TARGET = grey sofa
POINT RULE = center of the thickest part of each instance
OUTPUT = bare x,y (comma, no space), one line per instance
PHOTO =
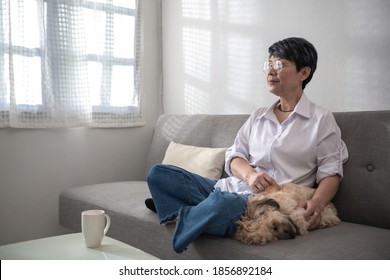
363,200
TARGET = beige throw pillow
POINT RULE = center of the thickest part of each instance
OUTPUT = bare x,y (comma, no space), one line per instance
207,162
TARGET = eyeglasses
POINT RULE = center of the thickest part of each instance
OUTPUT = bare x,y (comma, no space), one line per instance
277,65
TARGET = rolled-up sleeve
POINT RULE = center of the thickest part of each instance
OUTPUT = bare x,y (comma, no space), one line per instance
240,147
332,152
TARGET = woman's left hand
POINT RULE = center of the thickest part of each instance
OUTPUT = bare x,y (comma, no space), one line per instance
312,213
324,193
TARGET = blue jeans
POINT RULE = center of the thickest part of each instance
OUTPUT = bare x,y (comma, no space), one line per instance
197,206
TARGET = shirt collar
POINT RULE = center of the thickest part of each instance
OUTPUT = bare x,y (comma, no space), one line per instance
302,108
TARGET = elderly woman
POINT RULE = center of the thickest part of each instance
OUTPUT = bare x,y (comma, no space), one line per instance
293,140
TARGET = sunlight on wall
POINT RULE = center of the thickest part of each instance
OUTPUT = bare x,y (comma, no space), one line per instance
196,100
197,53
243,69
214,50
197,47
240,13
221,59
198,9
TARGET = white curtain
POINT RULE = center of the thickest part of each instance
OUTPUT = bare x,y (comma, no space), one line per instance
67,63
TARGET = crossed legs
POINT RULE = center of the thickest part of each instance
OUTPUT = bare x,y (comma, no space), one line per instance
196,205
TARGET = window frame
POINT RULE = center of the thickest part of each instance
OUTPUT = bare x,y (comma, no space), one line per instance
107,60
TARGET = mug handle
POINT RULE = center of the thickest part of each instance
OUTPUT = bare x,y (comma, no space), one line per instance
107,224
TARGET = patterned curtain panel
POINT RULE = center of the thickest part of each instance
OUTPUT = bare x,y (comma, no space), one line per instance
67,63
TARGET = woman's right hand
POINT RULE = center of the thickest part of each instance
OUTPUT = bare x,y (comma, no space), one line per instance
258,182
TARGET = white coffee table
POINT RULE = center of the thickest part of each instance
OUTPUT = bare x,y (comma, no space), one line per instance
71,247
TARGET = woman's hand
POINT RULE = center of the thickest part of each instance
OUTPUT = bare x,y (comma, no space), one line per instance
258,182
312,214
322,196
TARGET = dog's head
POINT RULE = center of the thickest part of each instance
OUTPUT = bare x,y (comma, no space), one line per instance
263,222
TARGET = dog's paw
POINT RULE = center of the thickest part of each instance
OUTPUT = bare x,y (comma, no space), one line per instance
329,221
329,217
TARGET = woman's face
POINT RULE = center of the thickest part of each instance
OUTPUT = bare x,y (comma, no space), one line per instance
285,79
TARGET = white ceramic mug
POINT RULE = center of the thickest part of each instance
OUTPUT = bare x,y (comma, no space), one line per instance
94,225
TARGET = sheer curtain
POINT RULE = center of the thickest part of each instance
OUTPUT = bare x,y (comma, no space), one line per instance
67,63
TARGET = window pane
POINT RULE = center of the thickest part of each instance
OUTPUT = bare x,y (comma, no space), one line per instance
123,36
5,81
130,4
98,1
95,26
27,77
94,77
122,86
25,24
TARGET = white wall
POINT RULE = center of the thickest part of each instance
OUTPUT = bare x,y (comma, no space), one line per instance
36,165
213,52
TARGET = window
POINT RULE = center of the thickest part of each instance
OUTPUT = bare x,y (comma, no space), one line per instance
70,63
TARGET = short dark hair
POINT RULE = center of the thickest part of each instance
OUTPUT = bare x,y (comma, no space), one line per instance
298,50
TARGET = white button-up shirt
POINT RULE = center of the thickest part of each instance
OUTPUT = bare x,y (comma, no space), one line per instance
304,149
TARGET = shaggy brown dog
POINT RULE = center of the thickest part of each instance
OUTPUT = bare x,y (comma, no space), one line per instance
275,214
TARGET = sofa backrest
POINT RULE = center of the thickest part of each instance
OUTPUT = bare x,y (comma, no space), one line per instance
364,194
215,131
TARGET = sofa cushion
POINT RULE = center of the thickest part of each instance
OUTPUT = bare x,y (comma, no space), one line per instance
207,162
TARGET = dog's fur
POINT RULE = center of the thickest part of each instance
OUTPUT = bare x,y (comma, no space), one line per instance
277,214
